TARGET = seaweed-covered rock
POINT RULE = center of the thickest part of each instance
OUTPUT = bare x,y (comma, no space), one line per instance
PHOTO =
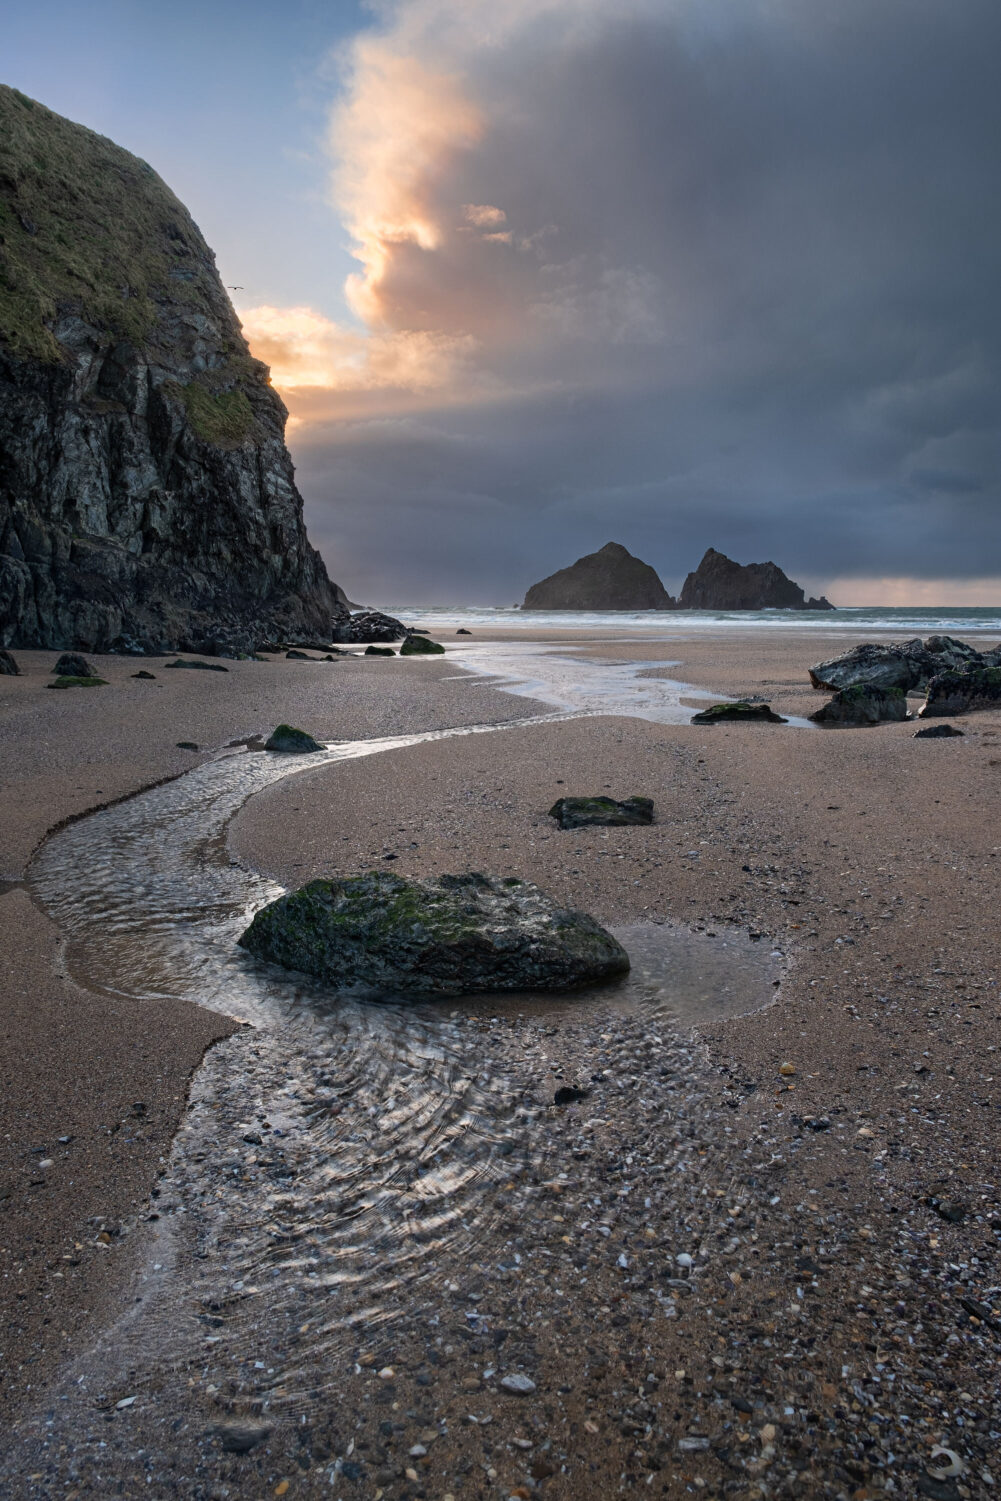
379,651
420,646
448,935
73,681
960,690
862,704
583,812
370,625
740,712
72,665
8,667
197,665
937,732
292,742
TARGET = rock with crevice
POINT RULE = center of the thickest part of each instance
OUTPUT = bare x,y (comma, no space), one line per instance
446,935
147,499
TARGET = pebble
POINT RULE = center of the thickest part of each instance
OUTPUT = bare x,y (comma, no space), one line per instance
519,1385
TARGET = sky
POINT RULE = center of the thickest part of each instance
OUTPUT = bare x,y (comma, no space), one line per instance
533,275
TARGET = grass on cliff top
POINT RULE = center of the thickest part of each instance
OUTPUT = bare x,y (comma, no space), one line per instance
85,225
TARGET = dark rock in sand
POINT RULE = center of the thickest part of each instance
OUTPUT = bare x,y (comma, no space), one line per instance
297,656
78,682
370,625
741,712
611,579
721,584
186,745
569,1094
583,812
72,665
420,646
908,665
379,651
239,1438
8,667
148,498
961,690
148,676
862,705
290,741
937,732
197,665
447,935
463,632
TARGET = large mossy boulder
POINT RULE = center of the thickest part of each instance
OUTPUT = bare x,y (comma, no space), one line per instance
72,665
292,742
586,812
960,690
420,646
740,712
448,935
861,705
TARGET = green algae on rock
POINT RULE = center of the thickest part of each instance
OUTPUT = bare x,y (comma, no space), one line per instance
290,741
862,704
447,935
583,812
738,713
420,646
78,682
960,690
379,651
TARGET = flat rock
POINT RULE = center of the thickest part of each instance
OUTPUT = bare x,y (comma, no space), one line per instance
582,812
447,935
420,646
72,665
518,1385
740,712
863,704
197,664
290,741
78,682
938,732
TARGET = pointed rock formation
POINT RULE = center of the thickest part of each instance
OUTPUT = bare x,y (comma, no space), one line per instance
147,499
721,584
611,579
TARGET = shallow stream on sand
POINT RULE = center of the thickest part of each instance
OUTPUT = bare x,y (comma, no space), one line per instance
335,1152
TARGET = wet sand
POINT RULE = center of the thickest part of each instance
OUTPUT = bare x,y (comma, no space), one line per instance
842,1218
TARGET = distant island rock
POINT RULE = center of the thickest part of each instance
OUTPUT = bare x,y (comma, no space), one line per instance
721,584
147,499
611,579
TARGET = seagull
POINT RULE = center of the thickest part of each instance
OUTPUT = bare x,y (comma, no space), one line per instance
234,289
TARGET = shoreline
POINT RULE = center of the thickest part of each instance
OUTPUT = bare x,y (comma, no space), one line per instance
722,793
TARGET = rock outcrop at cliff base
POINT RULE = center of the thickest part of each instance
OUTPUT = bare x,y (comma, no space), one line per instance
147,499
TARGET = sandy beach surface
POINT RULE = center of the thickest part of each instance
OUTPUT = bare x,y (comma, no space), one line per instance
757,1255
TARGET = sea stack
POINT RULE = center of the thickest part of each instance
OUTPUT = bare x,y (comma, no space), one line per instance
611,579
147,499
721,584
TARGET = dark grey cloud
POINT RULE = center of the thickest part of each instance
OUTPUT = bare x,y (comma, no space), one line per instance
751,300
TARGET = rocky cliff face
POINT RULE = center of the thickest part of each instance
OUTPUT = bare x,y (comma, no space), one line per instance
147,499
721,584
611,579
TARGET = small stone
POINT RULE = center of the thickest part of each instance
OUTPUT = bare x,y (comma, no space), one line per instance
569,1094
239,1438
125,1402
379,651
387,1373
787,1069
417,1451
188,745
518,1384
693,1444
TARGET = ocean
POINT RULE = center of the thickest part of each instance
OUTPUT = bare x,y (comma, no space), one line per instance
945,619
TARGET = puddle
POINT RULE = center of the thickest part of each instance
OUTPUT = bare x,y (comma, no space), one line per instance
334,1152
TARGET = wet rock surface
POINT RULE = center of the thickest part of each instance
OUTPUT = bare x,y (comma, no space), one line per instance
451,935
863,704
584,812
290,741
419,646
741,712
369,625
962,690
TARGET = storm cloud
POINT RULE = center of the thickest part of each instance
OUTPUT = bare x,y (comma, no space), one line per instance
690,273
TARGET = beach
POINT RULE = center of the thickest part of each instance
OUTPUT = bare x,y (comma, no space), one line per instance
757,1254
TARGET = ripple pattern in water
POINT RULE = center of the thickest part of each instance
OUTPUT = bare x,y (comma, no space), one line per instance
336,1154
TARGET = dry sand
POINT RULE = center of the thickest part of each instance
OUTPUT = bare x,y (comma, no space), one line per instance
837,1323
